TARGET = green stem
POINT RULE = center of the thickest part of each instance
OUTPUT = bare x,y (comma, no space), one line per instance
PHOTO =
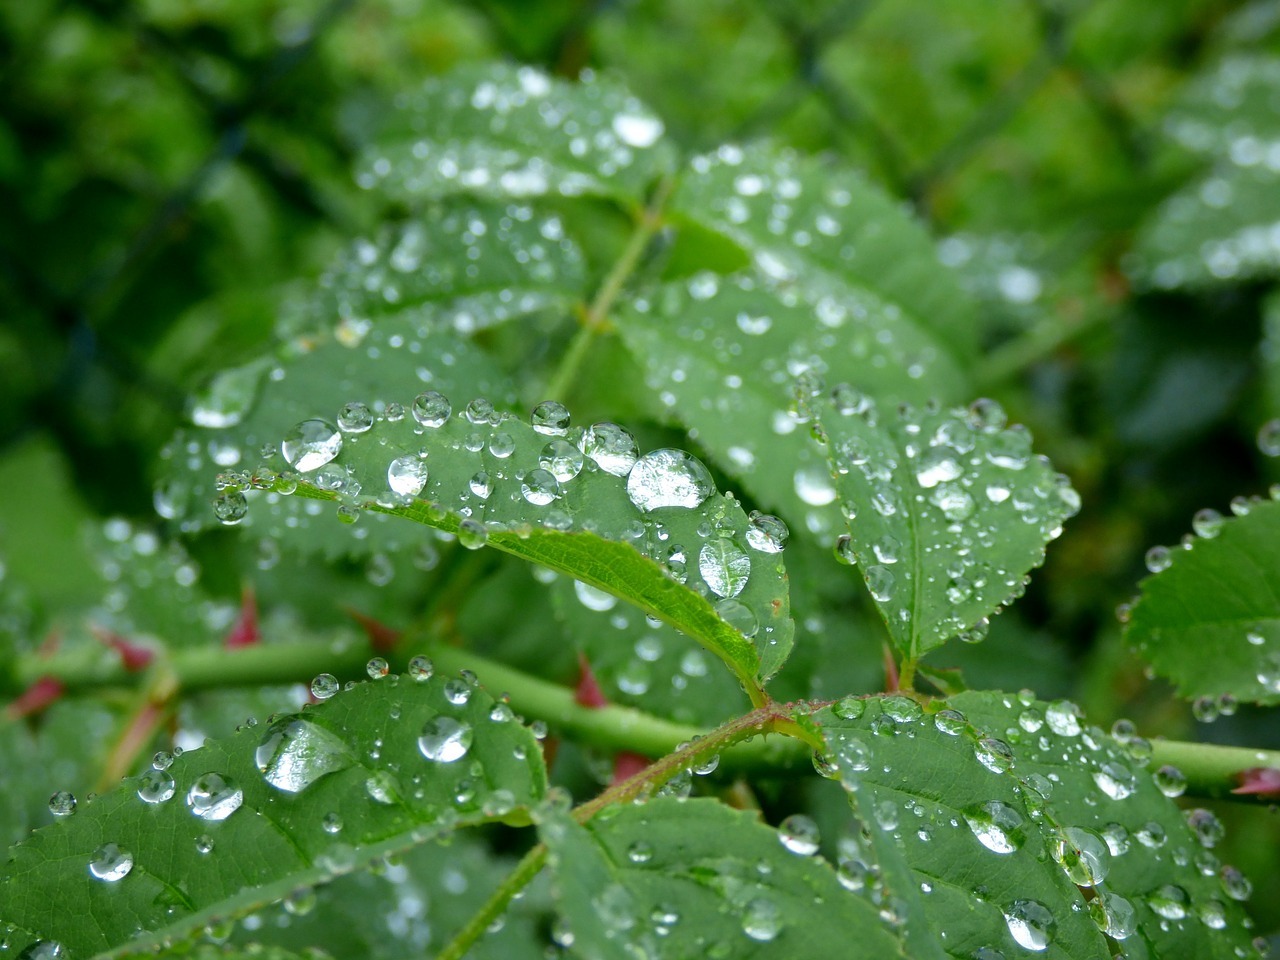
475,928
1212,770
595,320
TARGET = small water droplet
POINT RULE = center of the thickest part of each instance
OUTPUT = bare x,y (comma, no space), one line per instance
1207,523
431,409
669,478
880,582
1169,901
111,862
951,722
1159,559
550,418
62,804
994,754
540,487
997,826
472,534
849,708
561,459
1171,781
421,668
407,476
766,533
1084,856
155,786
295,753
231,507
214,797
724,566
324,686
1115,780
799,834
445,739
355,418
611,447
1269,438
1031,924
1113,914
640,852
813,485
311,444
761,919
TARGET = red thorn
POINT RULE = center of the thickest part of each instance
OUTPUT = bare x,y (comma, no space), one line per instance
245,632
588,693
627,764
133,656
381,637
36,698
1263,780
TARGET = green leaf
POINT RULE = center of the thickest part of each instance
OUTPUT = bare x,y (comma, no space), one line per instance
516,132
802,218
1210,620
1026,829
644,663
661,538
673,878
949,510
723,353
1219,228
285,805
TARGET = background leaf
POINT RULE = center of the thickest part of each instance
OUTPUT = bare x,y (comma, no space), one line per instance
682,878
289,804
1210,620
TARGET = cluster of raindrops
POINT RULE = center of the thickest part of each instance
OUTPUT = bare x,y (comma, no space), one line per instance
962,480
1043,741
601,134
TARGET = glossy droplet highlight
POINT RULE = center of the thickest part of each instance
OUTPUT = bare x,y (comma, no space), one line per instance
1083,855
155,786
324,686
295,753
445,739
761,919
766,533
311,444
214,797
355,418
550,418
62,804
669,478
724,566
407,476
611,448
431,409
111,862
1031,924
997,826
799,834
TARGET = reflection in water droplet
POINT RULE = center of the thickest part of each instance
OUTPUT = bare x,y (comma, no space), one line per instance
550,418
724,566
62,804
295,753
761,919
407,476
669,478
421,668
324,686
540,488
155,786
799,834
431,409
561,459
612,448
766,533
355,418
813,485
111,862
1171,781
1084,856
1113,914
1169,901
311,444
43,950
880,582
1031,924
445,739
901,709
1115,780
996,825
214,797
994,754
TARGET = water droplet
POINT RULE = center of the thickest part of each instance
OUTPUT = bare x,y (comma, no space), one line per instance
1063,718
227,398
845,551
1169,901
996,825
481,411
594,598
739,616
799,834
1113,914
457,690
311,444
669,478
1170,780
377,668
331,823
950,722
761,919
407,476
937,465
550,418
295,753
214,797
62,804
431,409
901,709
849,708
355,418
111,862
1235,883
987,415
1213,914
540,487
724,566
813,485
445,739
421,668
502,445
880,582
1083,855
1115,780
561,459
472,534
300,902
766,533
640,852
204,843
1031,924
1269,438
1206,826
611,447
155,786
1158,559
1207,523
324,686
994,754
231,507
382,787
637,130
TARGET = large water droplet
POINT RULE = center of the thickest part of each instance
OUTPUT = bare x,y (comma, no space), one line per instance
561,459
994,754
1031,924
612,448
311,444
155,786
996,825
1083,855
724,566
766,533
445,739
550,418
540,487
295,753
880,582
1113,914
111,862
431,409
407,476
1169,901
669,478
214,797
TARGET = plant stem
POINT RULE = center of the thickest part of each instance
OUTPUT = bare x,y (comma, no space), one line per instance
1212,770
475,928
594,321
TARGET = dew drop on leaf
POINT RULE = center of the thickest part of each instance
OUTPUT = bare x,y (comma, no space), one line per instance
421,668
813,485
669,478
1031,924
761,919
799,834
43,950
295,753
561,459
230,507
445,739
62,804
724,566
594,598
1171,781
407,476
611,447
1269,438
1207,523
1169,901
324,686
849,708
996,825
766,533
472,534
311,444
214,797
880,582
1113,914
355,418
111,862
1084,856
540,488
994,754
1115,780
431,409
155,786
550,418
